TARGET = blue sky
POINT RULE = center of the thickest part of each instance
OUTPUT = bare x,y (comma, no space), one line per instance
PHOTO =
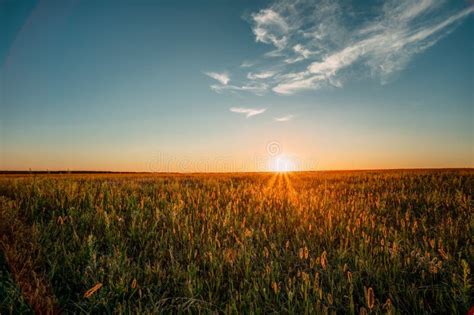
209,85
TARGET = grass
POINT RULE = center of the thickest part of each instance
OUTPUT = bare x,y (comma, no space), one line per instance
11,299
336,242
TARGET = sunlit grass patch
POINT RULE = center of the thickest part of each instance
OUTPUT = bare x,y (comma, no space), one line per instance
346,242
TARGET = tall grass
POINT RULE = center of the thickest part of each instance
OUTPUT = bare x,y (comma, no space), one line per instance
349,243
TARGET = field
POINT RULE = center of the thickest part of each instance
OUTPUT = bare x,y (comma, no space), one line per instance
298,243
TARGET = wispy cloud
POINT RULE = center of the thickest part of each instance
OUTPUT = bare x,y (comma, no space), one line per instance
257,88
223,78
260,75
320,43
384,45
248,112
283,118
270,28
246,64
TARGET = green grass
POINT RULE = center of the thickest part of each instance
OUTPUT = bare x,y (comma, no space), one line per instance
342,242
11,300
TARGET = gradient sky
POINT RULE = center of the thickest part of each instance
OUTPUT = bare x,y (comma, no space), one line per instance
229,85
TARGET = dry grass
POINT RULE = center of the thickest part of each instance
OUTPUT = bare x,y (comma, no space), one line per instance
342,242
20,252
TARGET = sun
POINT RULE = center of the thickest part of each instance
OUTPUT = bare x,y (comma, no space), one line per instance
282,164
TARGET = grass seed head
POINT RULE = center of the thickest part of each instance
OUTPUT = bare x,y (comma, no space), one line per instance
92,290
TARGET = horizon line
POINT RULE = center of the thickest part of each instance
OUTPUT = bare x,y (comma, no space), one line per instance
65,172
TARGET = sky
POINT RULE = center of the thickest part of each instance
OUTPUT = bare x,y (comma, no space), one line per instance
205,86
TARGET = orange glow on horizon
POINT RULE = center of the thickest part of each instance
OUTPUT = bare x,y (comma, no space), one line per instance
282,164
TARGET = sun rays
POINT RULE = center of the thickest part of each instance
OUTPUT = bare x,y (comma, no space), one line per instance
282,183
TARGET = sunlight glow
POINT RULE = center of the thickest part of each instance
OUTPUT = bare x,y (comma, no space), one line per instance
282,164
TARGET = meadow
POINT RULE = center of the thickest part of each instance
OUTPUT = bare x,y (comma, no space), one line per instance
367,242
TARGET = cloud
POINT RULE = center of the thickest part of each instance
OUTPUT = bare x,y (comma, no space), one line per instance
246,64
260,75
257,88
248,112
223,78
317,43
270,28
299,49
291,86
284,118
